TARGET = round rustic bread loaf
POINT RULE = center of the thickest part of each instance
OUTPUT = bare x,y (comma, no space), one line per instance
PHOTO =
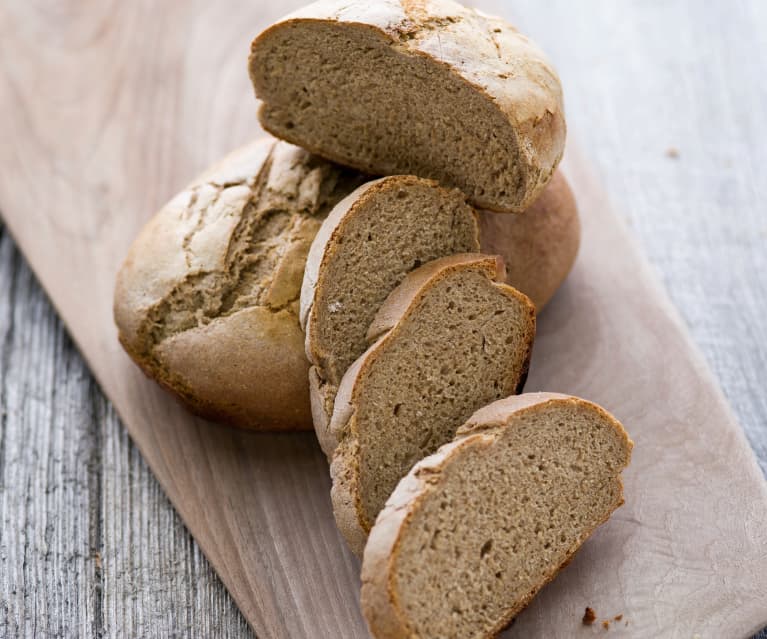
474,531
427,87
207,299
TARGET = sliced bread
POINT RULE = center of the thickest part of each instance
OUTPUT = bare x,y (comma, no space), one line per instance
449,339
207,299
473,532
428,88
364,249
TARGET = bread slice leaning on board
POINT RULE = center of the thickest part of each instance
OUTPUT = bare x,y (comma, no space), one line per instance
474,531
424,87
206,302
450,339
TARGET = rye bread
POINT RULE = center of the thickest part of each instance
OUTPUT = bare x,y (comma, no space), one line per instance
206,302
474,531
422,87
448,340
367,245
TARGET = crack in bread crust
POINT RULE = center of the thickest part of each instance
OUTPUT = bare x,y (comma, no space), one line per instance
206,301
269,223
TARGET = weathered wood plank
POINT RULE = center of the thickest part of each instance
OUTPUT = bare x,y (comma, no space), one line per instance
646,78
89,544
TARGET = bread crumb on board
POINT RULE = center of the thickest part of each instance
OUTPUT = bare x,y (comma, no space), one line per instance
672,152
589,616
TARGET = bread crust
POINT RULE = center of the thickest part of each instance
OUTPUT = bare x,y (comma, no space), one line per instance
345,493
484,52
383,612
245,366
539,247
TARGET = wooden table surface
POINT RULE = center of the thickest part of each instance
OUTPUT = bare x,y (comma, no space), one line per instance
667,99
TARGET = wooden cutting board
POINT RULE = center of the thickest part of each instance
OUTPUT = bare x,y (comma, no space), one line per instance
108,108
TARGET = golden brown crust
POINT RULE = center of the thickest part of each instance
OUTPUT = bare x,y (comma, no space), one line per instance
412,287
224,339
383,612
321,396
538,247
483,51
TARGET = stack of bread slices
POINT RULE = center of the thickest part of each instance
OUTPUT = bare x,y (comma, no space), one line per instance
374,272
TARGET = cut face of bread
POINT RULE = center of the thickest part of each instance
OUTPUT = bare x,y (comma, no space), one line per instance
472,533
451,339
425,88
207,299
364,249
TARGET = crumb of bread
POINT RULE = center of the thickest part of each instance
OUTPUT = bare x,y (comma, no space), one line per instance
606,624
589,616
618,618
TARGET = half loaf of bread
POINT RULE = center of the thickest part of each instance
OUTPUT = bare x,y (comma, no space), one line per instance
425,87
450,339
207,299
473,532
367,245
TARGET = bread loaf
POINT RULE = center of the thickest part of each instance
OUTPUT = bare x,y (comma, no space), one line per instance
449,340
539,247
207,300
474,531
365,247
423,87
245,364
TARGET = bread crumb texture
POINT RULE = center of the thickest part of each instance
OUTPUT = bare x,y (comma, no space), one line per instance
477,529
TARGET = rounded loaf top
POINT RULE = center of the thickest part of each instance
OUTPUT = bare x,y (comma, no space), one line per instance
428,88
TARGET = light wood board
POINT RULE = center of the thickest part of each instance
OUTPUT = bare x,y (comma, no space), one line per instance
95,140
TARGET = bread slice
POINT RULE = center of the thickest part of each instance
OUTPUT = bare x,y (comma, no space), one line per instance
473,532
428,88
364,249
538,247
206,301
450,339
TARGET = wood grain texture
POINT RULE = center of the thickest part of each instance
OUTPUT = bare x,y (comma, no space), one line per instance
152,580
89,544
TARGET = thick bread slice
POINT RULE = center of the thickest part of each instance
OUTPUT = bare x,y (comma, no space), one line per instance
450,339
474,531
539,247
206,302
363,250
423,87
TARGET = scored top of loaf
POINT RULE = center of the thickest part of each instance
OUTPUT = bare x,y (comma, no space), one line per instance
206,301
